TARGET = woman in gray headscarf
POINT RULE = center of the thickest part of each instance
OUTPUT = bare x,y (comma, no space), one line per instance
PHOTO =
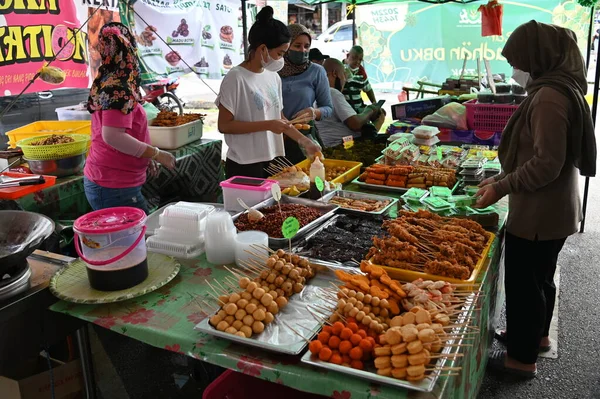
546,144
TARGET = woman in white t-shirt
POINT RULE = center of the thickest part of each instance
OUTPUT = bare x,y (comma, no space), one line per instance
250,103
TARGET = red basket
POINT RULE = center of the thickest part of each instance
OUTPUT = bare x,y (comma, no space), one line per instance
234,385
488,117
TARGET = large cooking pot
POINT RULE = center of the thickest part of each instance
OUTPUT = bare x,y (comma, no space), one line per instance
21,233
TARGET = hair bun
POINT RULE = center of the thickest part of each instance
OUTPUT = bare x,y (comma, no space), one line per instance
265,14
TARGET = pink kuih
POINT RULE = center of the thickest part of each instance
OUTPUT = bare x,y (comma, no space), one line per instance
111,243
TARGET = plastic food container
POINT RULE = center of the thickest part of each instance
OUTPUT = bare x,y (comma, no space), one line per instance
170,138
73,113
485,97
427,142
244,188
220,238
503,98
425,132
503,88
519,98
250,241
518,89
111,243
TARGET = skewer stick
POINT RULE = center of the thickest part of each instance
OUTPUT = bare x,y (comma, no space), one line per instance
442,356
339,290
294,331
263,247
246,266
317,318
235,274
459,345
217,282
213,288
219,302
257,254
287,161
444,369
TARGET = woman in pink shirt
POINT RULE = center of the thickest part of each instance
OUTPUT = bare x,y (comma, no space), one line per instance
121,153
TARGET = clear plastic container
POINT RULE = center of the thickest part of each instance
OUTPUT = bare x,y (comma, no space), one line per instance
428,142
73,113
237,187
425,132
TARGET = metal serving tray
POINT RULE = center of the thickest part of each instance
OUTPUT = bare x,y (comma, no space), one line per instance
379,187
325,209
360,196
426,385
277,336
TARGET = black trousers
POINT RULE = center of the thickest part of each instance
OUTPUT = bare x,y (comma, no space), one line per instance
250,170
530,294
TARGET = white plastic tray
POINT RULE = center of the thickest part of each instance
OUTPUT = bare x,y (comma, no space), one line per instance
170,138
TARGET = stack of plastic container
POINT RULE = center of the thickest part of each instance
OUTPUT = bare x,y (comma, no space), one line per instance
181,231
425,135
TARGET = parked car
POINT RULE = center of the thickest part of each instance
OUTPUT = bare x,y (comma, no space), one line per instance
35,107
336,41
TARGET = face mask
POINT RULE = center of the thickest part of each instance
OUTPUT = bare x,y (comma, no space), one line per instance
338,84
522,78
271,64
297,57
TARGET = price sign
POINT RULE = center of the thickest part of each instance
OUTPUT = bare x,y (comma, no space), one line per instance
276,192
440,155
319,183
348,142
290,227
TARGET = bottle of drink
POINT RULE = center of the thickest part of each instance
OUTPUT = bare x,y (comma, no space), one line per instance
316,169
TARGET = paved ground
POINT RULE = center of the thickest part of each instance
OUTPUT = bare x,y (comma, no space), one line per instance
141,372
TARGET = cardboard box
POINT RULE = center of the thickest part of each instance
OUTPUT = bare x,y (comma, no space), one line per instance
418,108
68,382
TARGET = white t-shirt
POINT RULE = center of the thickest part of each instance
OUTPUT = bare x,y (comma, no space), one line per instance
333,129
252,97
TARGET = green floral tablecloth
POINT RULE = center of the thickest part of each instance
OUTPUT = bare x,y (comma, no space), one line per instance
197,175
166,319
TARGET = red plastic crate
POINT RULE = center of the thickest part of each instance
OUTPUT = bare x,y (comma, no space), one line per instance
488,117
14,193
234,385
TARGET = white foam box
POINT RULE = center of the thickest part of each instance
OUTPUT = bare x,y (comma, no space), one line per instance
170,138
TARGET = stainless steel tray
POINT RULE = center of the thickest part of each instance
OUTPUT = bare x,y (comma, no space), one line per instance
277,336
378,187
325,209
360,196
425,385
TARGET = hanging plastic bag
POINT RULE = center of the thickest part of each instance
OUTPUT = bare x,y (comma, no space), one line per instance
52,75
491,18
450,116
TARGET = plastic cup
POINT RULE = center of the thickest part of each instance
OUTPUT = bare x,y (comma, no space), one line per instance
248,241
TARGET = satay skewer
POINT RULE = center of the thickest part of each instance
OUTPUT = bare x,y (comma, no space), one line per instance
294,331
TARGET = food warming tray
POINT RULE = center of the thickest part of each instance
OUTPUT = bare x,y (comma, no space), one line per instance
325,209
360,196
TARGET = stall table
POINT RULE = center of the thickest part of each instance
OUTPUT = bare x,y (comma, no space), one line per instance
166,319
197,175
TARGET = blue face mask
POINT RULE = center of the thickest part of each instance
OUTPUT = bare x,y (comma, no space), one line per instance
297,57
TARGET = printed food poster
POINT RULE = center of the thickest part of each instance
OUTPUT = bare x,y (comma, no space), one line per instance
414,41
33,33
207,35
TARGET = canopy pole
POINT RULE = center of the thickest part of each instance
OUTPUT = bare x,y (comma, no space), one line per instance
590,39
353,22
244,29
594,112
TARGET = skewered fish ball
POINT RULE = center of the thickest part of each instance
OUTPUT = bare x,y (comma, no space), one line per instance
281,302
240,334
222,314
251,287
229,319
273,308
248,320
414,347
384,304
230,330
237,324
215,320
353,301
258,293
259,315
278,265
280,253
287,287
359,305
360,315
223,299
258,327
353,312
247,330
360,296
415,371
279,281
271,262
244,281
368,298
269,317
427,335
242,303
295,259
230,309
298,288
352,294
240,314
294,274
341,303
366,309
400,361
366,320
271,278
223,325
375,301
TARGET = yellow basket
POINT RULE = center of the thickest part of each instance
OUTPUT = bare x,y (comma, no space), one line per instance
44,128
352,172
410,275
54,151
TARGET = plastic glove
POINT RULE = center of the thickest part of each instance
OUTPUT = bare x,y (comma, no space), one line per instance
310,148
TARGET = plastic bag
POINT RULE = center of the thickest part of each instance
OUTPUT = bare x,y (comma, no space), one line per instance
151,111
491,18
52,75
450,116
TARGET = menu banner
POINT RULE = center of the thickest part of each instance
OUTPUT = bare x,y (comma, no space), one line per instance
206,34
33,33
